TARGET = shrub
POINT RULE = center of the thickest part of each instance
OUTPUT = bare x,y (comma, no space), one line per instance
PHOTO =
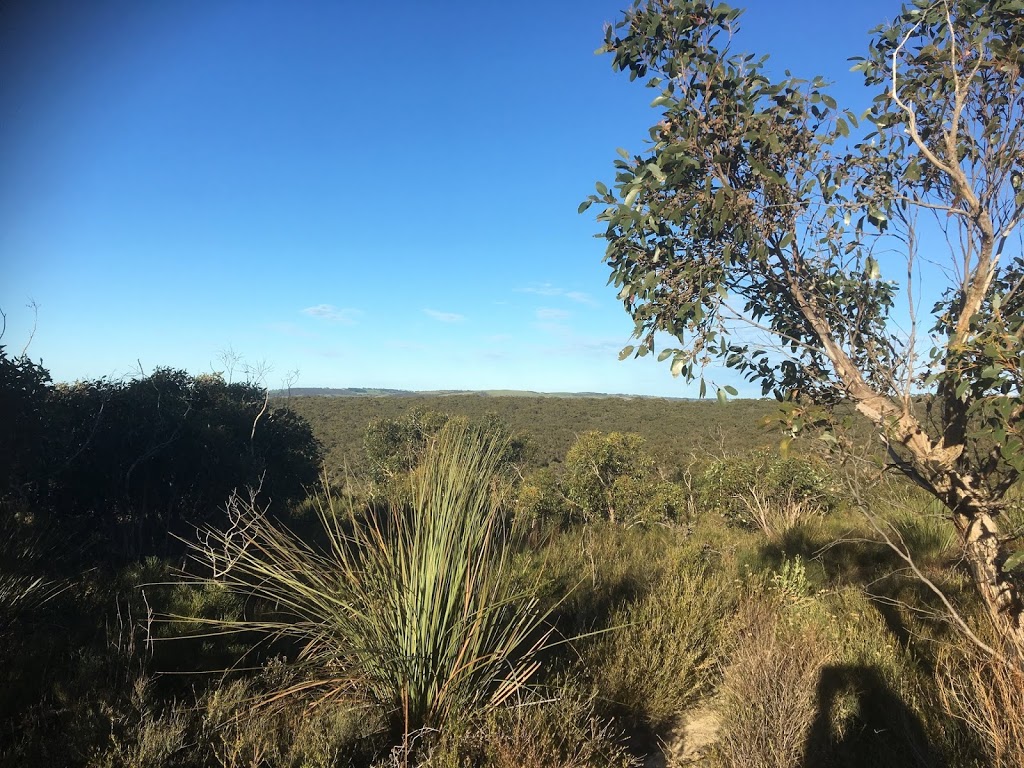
988,696
396,446
133,465
639,500
659,656
539,501
140,737
767,491
557,731
25,584
670,502
593,466
241,729
767,696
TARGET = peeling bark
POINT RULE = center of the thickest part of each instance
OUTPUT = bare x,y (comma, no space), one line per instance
980,537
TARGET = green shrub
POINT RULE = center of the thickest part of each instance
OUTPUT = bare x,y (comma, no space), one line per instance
782,490
556,727
396,446
240,728
539,501
660,654
669,502
595,464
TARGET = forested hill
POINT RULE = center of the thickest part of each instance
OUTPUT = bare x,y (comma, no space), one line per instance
674,429
375,392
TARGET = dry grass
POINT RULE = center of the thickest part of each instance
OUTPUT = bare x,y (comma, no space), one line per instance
988,696
777,514
767,697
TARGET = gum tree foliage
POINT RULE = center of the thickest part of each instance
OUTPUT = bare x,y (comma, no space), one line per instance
596,464
878,257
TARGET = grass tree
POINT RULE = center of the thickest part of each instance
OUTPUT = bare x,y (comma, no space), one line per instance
415,607
878,258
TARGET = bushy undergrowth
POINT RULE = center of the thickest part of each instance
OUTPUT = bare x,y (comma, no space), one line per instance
767,491
987,695
818,680
660,655
405,628
767,698
558,726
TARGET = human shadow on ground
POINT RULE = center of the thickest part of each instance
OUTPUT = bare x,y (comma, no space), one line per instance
881,730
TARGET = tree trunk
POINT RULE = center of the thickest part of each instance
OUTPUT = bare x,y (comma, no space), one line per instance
979,535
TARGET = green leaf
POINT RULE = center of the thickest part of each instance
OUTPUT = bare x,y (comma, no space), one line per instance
720,393
731,390
622,153
1014,561
584,205
991,371
626,352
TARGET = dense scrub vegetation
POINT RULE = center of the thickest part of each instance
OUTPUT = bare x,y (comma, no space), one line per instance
673,429
667,593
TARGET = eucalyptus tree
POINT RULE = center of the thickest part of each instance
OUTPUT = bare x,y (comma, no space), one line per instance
872,260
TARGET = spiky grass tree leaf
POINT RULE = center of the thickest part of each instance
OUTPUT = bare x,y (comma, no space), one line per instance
416,605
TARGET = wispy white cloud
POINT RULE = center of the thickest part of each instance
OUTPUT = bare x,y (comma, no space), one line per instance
344,315
547,289
406,345
543,289
566,341
581,298
444,317
547,313
558,330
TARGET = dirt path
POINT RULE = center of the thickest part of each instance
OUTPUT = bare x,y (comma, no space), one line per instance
695,732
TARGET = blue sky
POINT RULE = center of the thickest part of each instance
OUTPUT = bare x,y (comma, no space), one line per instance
378,195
